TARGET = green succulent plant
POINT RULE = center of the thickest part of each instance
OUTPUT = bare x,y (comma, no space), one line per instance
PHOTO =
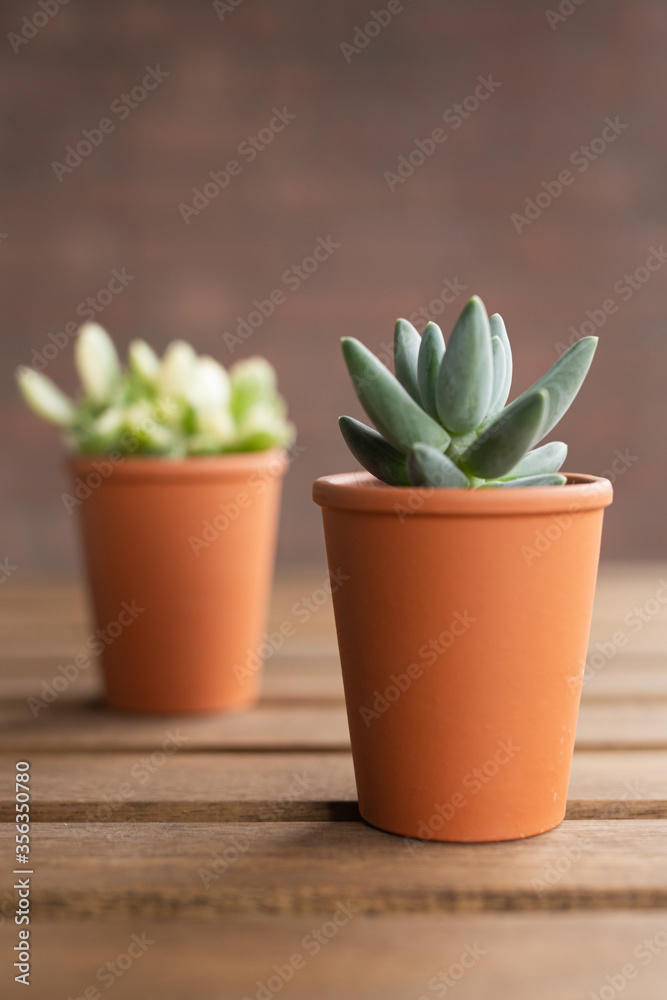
176,406
442,419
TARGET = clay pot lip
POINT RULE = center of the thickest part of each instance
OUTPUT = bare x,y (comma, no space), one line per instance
361,491
194,468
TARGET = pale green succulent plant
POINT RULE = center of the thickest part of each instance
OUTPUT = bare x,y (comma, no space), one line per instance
179,405
442,420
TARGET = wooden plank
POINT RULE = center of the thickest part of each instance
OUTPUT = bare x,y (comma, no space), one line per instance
193,787
72,725
295,677
79,726
50,618
279,787
199,869
286,678
517,956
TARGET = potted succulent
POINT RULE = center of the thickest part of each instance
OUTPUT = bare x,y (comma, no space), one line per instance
470,563
176,469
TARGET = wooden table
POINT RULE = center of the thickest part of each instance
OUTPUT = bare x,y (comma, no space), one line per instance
223,857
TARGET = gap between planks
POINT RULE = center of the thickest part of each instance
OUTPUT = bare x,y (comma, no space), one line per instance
205,870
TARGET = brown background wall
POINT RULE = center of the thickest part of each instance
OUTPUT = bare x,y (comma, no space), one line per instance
323,176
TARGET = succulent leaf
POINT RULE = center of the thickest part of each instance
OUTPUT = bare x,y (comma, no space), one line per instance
45,398
173,408
465,381
209,386
563,382
97,362
546,479
391,408
429,467
177,369
144,362
375,454
506,440
252,380
497,326
406,355
431,353
499,366
548,458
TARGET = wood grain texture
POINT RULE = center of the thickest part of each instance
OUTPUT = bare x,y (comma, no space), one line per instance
279,787
536,956
203,870
69,724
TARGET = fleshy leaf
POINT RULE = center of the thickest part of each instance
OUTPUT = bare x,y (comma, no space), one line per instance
499,366
428,467
209,386
506,440
253,380
497,326
406,353
465,381
97,362
144,362
177,369
375,454
563,382
546,479
391,408
548,458
431,353
45,398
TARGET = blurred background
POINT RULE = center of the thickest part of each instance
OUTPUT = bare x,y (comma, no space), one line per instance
329,111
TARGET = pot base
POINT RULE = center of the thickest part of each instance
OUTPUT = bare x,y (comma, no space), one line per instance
442,838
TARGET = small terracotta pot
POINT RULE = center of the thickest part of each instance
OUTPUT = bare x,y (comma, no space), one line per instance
180,560
463,623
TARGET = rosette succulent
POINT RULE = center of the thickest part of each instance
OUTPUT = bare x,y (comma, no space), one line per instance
442,419
180,405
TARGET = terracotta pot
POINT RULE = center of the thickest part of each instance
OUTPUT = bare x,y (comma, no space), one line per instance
463,625
180,559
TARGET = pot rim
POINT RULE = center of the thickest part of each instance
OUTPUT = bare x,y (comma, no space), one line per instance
134,468
361,491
